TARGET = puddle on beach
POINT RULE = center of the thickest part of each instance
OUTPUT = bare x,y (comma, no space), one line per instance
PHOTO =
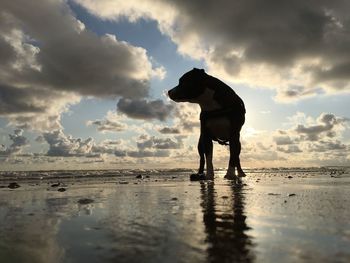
272,220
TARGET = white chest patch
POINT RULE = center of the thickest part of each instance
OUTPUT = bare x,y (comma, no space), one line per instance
219,127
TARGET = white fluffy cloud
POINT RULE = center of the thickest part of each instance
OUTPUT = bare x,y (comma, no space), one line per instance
111,123
18,143
308,141
66,146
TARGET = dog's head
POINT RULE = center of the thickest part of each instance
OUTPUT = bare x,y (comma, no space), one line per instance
191,85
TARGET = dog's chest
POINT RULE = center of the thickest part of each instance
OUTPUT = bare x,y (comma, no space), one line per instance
219,127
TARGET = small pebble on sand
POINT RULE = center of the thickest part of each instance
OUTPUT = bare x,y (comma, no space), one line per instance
13,185
85,201
61,189
292,195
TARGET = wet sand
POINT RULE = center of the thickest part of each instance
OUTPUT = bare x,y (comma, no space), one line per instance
265,217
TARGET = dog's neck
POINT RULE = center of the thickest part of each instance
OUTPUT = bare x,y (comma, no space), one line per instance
206,101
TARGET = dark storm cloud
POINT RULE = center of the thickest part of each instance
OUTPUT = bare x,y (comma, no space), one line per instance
48,59
75,59
268,31
300,48
23,100
145,109
278,33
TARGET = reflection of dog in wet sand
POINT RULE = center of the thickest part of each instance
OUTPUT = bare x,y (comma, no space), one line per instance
222,117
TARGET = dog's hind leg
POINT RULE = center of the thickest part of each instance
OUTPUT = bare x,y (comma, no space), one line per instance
209,157
201,155
235,150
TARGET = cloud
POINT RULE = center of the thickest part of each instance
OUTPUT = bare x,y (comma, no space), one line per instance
315,138
148,153
34,108
299,48
326,146
67,146
282,140
306,141
18,143
326,124
145,109
48,65
111,123
159,143
62,145
289,149
169,130
108,147
187,118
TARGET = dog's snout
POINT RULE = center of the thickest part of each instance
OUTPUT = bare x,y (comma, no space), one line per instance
171,93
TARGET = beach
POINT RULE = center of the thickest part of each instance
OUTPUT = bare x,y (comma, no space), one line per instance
276,215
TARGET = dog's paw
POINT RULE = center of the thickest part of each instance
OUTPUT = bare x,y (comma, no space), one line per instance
241,174
230,176
210,176
197,177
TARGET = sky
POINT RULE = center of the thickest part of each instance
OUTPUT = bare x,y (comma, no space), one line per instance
83,82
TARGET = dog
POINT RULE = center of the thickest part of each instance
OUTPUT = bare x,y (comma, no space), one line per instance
221,119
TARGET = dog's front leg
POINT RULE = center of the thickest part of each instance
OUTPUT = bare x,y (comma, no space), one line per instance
208,150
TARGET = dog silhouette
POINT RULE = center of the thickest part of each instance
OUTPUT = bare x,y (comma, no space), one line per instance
221,119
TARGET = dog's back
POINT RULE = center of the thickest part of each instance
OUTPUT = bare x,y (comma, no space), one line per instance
226,96
232,106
